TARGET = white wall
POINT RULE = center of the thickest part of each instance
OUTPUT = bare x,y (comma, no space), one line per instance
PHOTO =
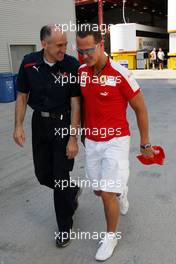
21,21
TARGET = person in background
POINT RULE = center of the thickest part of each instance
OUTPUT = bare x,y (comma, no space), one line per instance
153,58
160,56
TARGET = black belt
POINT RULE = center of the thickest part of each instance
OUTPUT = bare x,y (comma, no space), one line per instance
55,115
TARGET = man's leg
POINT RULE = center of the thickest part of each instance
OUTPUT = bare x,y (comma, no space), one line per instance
65,202
112,215
115,173
42,151
111,209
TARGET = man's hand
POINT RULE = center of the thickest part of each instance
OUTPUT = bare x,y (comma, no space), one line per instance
19,136
83,139
148,153
20,110
72,148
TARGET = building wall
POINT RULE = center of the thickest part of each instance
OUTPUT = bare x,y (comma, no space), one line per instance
21,20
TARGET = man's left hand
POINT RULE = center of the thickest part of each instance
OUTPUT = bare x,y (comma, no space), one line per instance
148,153
72,147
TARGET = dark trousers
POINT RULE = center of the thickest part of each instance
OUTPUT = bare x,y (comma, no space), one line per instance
52,165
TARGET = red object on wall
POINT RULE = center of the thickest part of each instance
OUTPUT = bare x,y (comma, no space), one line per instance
100,18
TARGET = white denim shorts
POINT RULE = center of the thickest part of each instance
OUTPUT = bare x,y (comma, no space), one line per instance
107,164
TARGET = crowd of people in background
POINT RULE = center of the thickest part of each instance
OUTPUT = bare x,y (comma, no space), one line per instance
157,59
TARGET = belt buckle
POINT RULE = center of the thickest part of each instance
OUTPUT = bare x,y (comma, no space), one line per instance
57,116
45,114
53,115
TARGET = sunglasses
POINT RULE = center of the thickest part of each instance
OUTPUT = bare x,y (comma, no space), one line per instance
87,51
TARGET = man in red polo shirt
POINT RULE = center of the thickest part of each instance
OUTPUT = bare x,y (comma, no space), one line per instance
107,88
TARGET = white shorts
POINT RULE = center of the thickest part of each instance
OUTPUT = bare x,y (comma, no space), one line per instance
107,163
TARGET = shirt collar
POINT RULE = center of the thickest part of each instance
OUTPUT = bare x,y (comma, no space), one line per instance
40,57
41,61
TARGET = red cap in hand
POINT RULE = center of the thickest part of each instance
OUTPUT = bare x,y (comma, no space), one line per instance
158,158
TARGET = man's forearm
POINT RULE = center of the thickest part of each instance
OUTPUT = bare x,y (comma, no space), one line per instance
20,109
143,125
75,116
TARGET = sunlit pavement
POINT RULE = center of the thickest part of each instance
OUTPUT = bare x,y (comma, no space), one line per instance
155,74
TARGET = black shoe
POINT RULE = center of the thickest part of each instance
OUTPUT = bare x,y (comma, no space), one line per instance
63,239
78,193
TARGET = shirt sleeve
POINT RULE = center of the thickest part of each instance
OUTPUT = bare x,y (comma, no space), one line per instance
22,80
75,87
75,91
129,86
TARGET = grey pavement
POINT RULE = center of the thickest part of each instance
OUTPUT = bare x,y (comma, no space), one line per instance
27,220
155,74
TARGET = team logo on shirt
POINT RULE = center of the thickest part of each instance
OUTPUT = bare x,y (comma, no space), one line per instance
104,93
83,79
36,68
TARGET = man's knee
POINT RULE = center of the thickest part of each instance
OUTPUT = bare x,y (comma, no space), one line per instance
108,195
98,193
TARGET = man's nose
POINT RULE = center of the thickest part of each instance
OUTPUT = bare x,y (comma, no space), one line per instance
85,56
63,48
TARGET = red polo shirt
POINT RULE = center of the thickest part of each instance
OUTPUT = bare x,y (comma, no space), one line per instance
105,100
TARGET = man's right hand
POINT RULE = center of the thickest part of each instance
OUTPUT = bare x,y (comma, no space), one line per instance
19,136
83,139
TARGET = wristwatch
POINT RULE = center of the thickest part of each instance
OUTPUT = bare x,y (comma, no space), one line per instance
146,146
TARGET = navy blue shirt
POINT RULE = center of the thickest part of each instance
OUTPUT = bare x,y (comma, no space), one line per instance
49,87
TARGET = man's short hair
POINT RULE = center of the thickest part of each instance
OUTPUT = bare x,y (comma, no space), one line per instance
90,30
45,32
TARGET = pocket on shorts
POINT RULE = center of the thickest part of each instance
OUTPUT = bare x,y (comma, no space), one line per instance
123,165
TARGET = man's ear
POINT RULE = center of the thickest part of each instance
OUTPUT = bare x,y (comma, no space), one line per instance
44,44
102,44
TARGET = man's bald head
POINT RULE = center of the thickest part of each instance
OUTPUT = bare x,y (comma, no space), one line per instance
47,31
54,42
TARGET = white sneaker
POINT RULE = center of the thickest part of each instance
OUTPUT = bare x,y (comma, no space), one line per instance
107,246
124,204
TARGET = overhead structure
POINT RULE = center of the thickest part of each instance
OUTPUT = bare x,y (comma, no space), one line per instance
87,9
159,13
172,33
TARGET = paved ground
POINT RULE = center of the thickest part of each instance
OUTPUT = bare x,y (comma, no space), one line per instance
27,221
155,74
